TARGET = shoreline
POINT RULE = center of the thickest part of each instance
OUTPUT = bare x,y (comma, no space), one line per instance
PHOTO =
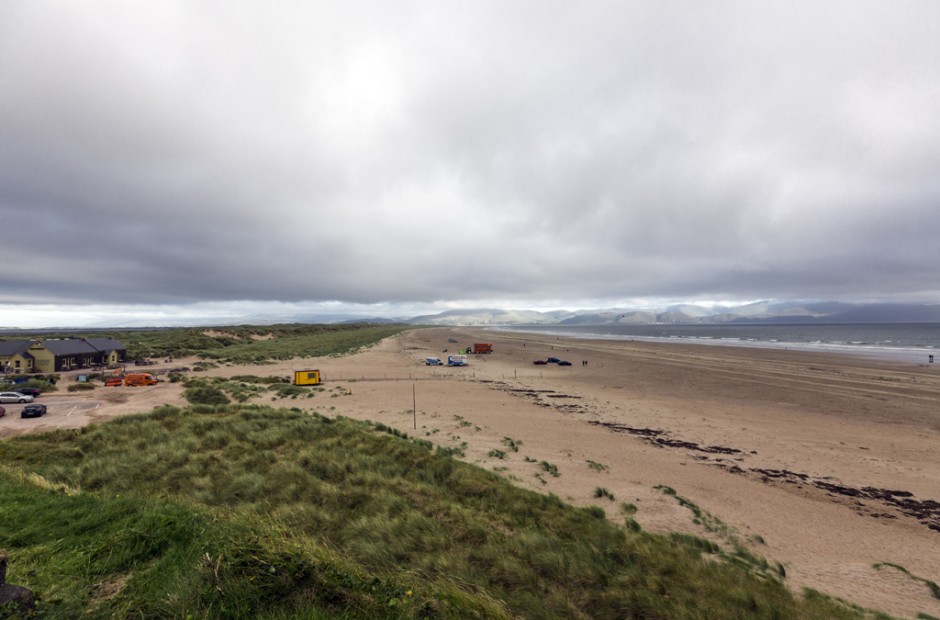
910,354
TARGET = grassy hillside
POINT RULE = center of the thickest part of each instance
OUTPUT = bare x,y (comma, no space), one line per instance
243,511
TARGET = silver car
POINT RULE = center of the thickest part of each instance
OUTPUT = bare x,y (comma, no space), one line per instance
15,397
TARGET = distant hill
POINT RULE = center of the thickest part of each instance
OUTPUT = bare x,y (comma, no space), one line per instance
490,317
758,312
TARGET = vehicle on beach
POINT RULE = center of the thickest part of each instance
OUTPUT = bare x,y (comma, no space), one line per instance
457,360
540,362
15,397
139,378
29,391
113,381
482,347
451,340
564,363
33,411
433,361
553,360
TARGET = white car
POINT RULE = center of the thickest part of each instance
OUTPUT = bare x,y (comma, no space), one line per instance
15,397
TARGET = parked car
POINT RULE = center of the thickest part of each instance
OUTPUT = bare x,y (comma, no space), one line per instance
33,411
433,361
15,397
553,360
540,362
564,363
114,381
29,391
3,412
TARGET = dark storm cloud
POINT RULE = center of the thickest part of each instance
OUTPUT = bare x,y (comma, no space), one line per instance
173,153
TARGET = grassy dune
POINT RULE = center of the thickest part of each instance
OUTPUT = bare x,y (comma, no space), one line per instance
248,511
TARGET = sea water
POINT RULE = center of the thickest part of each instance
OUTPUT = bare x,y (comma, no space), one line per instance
914,342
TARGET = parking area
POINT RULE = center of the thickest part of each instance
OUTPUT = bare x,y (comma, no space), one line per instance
77,409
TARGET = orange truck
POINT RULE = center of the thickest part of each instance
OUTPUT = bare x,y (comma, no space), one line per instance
139,378
482,347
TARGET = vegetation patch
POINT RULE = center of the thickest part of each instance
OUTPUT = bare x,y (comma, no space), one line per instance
739,553
244,344
201,392
550,468
603,492
931,585
248,511
46,384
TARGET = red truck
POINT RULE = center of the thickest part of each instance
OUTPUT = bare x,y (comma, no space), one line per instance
482,347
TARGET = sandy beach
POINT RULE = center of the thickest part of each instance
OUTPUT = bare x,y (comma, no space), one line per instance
827,464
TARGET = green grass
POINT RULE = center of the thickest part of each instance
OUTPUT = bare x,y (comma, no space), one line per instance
80,387
87,555
247,511
241,344
549,468
600,492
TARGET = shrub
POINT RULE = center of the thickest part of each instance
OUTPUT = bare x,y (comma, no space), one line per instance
201,394
603,492
596,511
81,387
287,390
550,468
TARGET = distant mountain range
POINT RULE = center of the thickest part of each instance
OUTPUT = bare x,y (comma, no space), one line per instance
759,312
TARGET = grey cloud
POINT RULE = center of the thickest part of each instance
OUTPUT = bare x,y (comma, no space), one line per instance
177,153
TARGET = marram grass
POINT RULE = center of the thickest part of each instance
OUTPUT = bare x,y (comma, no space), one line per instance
246,511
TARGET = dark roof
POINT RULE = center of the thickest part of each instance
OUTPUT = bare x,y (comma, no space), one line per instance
12,347
69,346
105,344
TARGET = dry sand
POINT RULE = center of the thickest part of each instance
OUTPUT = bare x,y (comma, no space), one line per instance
827,464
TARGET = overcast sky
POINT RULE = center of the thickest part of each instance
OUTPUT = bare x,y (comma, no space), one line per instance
174,159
